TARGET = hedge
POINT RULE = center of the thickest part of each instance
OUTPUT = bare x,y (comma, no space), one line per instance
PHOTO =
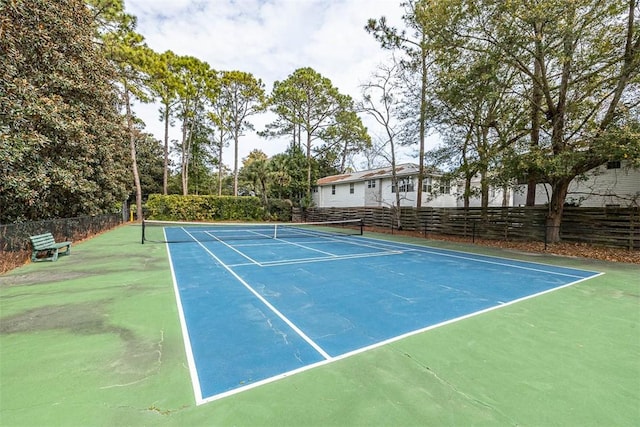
203,208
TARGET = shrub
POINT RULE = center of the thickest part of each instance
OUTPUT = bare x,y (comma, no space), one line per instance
203,208
279,210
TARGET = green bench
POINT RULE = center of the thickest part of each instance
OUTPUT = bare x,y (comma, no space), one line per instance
45,244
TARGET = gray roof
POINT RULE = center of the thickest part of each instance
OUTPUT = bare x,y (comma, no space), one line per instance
405,169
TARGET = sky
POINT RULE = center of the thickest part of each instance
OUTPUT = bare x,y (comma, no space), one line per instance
270,39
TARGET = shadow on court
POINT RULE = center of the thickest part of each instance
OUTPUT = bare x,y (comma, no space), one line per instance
95,339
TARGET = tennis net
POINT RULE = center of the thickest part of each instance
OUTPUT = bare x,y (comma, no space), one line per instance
175,232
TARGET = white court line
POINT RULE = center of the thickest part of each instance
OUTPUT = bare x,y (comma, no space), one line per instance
229,246
386,342
318,259
323,239
472,257
191,362
328,359
267,303
350,240
306,247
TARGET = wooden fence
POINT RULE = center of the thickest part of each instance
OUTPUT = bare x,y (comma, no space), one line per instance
613,227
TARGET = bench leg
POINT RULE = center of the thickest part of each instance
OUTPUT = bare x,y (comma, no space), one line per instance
52,255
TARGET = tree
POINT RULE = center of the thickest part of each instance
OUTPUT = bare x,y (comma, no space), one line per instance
129,54
127,51
163,84
196,82
288,172
477,114
220,117
347,137
202,157
255,169
380,100
150,162
241,95
583,58
305,102
416,48
280,177
62,150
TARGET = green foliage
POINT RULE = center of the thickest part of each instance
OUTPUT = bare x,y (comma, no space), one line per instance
307,106
63,150
305,100
241,95
196,84
149,156
543,90
279,210
204,208
289,174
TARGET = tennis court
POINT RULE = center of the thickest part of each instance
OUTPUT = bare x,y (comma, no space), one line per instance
259,303
96,339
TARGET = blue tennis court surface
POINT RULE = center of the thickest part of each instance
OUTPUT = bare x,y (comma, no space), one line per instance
257,310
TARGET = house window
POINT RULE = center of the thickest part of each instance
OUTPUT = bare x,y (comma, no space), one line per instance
427,185
371,183
315,189
613,165
351,188
405,185
445,186
333,189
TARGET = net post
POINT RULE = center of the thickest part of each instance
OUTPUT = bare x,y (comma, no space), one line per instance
142,239
361,226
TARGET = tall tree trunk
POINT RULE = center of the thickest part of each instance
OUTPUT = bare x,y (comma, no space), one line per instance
165,173
134,158
484,195
559,191
184,167
220,146
235,161
536,106
394,184
505,196
308,164
467,190
423,117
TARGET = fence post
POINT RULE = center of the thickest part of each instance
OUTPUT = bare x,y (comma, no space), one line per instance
473,231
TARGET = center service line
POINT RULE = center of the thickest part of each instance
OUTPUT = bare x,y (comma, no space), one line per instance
267,303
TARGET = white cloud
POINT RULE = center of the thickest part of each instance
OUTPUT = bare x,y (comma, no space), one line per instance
268,38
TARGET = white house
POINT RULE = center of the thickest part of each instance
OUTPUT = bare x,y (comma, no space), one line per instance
613,184
373,188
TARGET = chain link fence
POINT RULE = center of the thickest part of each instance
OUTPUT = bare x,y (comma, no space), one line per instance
15,246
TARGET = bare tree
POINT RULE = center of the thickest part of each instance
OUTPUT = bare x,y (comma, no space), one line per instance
380,101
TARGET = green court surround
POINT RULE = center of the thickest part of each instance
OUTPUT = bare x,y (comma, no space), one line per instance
94,339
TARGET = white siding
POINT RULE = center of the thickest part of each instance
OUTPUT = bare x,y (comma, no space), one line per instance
381,195
373,193
600,188
495,198
342,197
